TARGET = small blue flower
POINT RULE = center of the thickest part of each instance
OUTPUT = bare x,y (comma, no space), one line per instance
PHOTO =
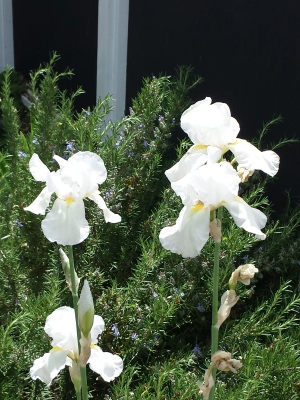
160,118
197,350
109,193
70,146
145,144
115,330
200,308
21,154
154,293
245,258
134,335
18,223
35,141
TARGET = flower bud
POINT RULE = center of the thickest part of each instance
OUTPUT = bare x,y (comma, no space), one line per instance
85,310
66,268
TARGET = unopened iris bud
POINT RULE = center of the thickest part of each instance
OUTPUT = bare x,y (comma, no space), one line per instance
66,268
85,310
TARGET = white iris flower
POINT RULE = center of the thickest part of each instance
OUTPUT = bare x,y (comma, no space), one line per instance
77,178
212,126
61,326
202,191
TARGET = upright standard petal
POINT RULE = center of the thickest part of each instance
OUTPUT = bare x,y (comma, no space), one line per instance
246,217
66,223
190,233
210,124
107,365
91,163
61,327
47,367
250,158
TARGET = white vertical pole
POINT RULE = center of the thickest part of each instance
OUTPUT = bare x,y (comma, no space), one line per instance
6,35
112,53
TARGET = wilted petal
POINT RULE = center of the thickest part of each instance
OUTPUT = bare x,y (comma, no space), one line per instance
228,300
66,223
109,216
39,205
243,274
107,365
249,157
190,232
48,366
246,217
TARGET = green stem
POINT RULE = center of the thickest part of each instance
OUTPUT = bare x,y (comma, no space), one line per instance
84,388
78,395
215,304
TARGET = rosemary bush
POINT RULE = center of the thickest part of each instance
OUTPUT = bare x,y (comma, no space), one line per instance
156,304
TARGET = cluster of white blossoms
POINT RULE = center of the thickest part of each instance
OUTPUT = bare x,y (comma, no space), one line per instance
204,181
76,179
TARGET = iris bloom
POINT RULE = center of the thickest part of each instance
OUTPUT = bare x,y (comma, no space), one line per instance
203,191
77,178
212,126
61,326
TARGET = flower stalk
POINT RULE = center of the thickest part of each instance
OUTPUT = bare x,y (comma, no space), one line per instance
84,389
215,302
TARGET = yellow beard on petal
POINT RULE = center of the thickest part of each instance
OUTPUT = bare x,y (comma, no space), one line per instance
197,206
69,200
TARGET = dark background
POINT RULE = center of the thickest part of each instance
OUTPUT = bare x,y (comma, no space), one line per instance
248,53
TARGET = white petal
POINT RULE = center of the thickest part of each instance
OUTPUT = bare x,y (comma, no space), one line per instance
109,216
66,223
212,184
91,163
39,205
210,124
192,160
249,157
61,327
61,161
97,328
107,365
48,366
38,169
246,217
190,233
